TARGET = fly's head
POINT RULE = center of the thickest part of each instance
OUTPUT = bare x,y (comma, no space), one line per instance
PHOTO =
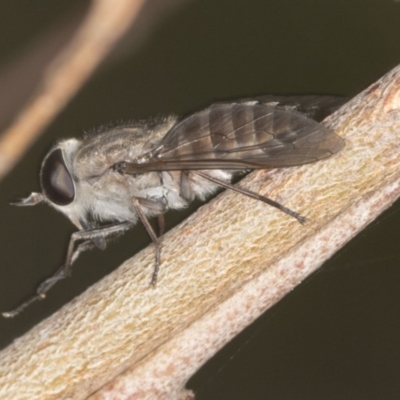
58,183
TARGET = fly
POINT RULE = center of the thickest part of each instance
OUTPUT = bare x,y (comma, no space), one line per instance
109,180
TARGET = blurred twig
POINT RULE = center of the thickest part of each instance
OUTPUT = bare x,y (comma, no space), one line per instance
106,23
20,75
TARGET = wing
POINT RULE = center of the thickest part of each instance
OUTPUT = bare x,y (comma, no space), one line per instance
316,107
238,136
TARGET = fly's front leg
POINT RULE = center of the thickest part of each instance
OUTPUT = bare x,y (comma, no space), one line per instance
64,271
155,205
48,283
89,236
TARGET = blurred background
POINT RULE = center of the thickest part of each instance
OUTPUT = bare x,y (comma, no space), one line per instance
337,335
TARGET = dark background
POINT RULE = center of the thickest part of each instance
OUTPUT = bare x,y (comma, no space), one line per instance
337,335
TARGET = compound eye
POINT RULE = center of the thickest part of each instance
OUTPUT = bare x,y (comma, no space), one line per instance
57,183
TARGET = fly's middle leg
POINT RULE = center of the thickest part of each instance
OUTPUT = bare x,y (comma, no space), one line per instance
138,203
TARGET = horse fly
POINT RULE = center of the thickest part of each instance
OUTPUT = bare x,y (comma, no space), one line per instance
110,179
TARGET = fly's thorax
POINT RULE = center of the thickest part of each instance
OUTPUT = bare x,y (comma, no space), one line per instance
100,151
107,197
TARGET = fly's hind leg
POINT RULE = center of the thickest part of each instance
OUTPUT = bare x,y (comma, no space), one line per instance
253,195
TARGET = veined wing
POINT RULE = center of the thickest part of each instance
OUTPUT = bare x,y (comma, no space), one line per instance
316,107
241,135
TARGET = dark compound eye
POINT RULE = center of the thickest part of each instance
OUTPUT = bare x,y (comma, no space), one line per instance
57,183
